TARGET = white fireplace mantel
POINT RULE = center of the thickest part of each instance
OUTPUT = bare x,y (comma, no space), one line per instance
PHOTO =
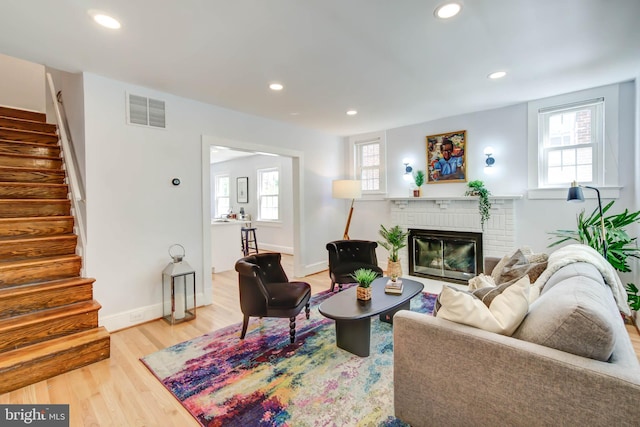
444,201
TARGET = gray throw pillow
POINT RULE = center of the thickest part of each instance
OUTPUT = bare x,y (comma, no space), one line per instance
518,266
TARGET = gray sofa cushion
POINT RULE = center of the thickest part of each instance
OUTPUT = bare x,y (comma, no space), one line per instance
577,315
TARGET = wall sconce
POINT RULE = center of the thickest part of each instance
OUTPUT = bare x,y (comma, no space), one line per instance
490,160
407,170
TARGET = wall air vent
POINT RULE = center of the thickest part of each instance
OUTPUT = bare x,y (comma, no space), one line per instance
145,111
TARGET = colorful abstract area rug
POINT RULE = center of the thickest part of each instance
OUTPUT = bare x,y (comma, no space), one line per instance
264,380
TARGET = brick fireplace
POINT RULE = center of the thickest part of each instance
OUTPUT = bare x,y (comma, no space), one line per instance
458,214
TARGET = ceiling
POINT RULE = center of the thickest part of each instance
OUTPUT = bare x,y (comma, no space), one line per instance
391,60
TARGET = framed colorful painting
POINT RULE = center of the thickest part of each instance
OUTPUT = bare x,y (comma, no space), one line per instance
446,157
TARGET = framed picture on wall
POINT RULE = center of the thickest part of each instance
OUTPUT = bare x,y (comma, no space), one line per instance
242,189
446,157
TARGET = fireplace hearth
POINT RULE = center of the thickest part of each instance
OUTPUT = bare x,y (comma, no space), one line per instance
452,256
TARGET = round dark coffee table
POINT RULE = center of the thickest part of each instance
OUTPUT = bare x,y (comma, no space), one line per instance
353,317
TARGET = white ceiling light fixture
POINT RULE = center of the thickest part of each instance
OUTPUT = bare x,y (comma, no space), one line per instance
497,75
276,86
447,10
352,113
105,20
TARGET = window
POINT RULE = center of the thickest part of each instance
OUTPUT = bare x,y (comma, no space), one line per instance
570,143
574,136
369,162
268,194
222,195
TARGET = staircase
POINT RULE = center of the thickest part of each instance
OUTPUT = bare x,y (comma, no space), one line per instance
48,317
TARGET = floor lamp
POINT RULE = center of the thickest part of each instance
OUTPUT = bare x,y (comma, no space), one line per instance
575,195
347,189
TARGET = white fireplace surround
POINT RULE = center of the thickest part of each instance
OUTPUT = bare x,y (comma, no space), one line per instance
458,214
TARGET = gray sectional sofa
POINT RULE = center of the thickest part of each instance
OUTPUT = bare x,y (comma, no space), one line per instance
570,362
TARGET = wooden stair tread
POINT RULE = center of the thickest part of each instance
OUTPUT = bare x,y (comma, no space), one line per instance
32,184
28,169
30,156
11,228
35,247
31,288
35,351
12,323
35,239
27,143
33,190
18,123
34,201
34,116
39,260
29,132
34,218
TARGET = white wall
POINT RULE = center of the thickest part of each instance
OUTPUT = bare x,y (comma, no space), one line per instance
135,213
504,129
275,236
22,84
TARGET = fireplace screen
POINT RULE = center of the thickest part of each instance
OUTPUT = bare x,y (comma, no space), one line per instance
447,255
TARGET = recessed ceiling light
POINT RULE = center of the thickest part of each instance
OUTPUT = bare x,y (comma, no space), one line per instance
276,86
105,20
352,113
447,10
497,75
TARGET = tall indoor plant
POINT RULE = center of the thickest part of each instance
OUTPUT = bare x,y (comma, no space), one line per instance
394,240
477,188
620,246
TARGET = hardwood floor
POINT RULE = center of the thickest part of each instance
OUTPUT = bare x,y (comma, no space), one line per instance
121,391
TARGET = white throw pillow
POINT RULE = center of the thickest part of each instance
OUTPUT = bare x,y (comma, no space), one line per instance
480,281
503,316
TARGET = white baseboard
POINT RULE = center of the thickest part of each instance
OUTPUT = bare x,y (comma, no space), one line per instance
276,248
315,268
126,319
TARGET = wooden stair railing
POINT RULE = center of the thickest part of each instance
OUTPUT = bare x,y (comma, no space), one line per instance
48,317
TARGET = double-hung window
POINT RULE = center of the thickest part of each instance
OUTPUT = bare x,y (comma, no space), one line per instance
268,194
570,141
574,137
222,195
369,162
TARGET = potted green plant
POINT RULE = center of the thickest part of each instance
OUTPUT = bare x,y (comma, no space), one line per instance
620,246
477,188
394,240
364,277
418,179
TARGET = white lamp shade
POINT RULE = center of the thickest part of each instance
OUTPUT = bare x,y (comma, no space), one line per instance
346,189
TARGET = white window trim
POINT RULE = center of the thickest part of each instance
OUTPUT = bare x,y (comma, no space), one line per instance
258,181
380,137
609,187
215,183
